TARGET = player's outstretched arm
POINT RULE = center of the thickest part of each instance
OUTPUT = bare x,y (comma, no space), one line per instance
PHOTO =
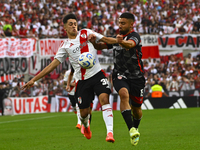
126,44
44,72
108,40
101,44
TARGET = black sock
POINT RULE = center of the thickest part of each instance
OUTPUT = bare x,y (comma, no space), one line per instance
90,118
128,118
136,122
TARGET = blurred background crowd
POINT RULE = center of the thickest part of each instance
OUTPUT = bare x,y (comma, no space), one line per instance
43,19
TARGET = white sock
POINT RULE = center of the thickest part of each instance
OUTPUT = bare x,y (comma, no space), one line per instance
78,114
108,117
85,121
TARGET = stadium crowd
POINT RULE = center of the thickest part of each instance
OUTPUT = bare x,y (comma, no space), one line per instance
43,18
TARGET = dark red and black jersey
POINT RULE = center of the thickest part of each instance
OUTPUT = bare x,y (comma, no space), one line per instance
128,62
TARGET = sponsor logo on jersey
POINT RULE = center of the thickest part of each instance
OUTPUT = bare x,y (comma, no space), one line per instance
80,47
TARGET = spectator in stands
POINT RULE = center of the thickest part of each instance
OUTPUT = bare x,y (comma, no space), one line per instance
7,25
184,83
14,82
188,27
195,30
8,32
22,32
173,85
197,24
2,34
189,59
152,69
156,91
40,34
53,32
38,91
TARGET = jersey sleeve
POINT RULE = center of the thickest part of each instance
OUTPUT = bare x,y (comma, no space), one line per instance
98,36
61,55
135,37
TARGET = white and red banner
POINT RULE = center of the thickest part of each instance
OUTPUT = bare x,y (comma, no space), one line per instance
49,47
150,46
62,104
15,47
13,67
179,42
29,105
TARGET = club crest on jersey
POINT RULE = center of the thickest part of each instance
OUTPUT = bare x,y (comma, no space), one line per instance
83,35
119,77
79,100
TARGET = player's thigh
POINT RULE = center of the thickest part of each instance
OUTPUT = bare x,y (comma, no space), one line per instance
84,94
137,91
120,83
101,84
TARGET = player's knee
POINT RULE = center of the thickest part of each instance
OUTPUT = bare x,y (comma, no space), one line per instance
84,113
124,95
104,99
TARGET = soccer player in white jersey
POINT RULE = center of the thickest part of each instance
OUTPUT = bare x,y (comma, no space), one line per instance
71,96
90,81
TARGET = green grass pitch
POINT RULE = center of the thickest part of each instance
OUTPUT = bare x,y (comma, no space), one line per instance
161,129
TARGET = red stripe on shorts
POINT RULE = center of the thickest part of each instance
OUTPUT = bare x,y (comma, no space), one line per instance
138,100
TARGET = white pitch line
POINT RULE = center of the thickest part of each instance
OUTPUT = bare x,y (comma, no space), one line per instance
26,119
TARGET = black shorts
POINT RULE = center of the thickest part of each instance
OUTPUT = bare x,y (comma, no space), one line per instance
72,100
86,89
135,88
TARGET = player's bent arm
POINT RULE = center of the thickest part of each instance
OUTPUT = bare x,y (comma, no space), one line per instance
108,40
47,70
127,44
100,46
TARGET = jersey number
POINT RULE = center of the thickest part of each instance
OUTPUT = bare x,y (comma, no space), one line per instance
104,81
141,92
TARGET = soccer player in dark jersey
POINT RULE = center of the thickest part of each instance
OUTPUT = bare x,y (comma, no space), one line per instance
128,74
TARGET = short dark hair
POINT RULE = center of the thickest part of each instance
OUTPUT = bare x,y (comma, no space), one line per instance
69,16
127,15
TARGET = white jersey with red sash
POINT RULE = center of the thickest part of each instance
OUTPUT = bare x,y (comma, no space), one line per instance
72,48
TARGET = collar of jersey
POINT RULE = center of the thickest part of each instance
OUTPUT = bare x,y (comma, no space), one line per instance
128,33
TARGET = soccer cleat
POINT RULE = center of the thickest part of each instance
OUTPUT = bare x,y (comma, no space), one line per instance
78,126
110,138
87,133
82,129
134,135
